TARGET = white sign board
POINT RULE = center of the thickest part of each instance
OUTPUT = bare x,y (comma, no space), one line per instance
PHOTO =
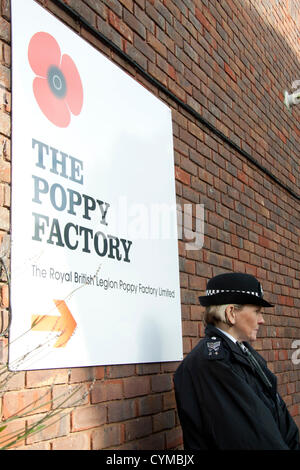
94,264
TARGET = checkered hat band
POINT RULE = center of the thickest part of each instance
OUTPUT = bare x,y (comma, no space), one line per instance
221,291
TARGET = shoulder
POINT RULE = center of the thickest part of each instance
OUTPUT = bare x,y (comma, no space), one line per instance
211,348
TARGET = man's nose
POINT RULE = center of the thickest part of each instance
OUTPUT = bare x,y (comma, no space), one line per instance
260,319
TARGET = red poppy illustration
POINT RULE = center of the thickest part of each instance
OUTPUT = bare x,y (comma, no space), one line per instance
57,87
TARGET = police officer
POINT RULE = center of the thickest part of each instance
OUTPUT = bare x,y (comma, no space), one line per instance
226,396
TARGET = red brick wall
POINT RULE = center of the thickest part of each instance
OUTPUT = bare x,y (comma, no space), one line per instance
230,61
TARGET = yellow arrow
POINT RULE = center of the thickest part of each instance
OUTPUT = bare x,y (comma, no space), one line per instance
64,323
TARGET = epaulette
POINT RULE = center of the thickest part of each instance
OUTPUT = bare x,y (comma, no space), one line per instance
214,348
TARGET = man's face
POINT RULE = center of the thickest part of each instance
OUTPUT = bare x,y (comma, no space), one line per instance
247,322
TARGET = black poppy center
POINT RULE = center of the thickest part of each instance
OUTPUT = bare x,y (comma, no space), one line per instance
57,82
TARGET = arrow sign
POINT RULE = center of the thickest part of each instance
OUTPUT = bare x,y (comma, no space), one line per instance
64,323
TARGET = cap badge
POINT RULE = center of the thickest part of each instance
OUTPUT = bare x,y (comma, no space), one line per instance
261,290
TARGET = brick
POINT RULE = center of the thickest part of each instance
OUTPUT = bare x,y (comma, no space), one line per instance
149,404
98,372
188,266
199,15
3,352
7,197
4,289
188,138
5,124
5,148
44,445
181,147
13,430
182,176
172,72
109,32
88,36
114,5
154,15
165,420
55,426
136,386
6,100
107,391
107,436
190,52
165,39
26,401
157,74
66,396
174,438
98,7
138,428
74,441
136,55
230,72
196,312
40,378
177,90
4,315
12,381
121,410
63,16
83,10
195,130
161,383
285,300
135,24
125,370
154,441
6,9
197,283
4,30
88,417
156,45
127,4
148,368
169,401
120,26
82,374
143,18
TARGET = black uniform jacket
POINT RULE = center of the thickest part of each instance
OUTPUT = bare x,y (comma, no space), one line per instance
223,404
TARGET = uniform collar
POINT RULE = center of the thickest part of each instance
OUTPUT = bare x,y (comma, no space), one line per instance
227,334
237,353
212,331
